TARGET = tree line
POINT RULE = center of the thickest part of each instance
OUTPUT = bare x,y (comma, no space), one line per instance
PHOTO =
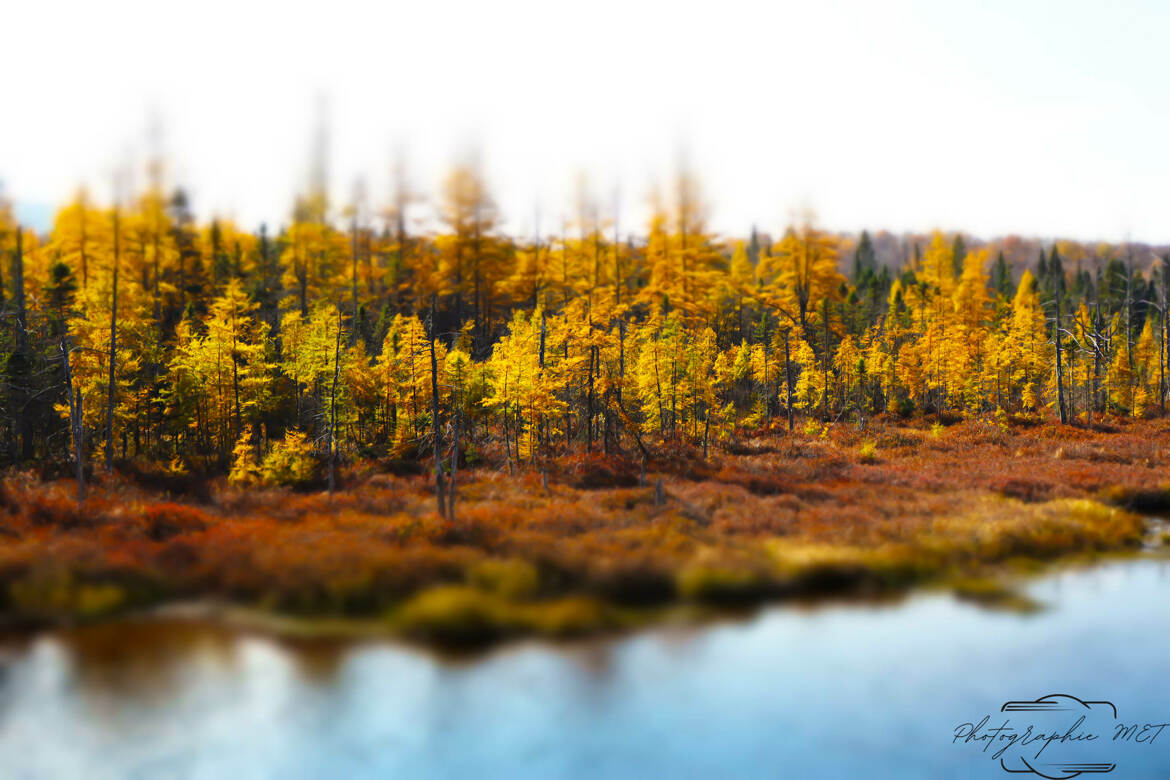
132,332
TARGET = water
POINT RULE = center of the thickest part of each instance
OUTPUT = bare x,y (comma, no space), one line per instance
859,691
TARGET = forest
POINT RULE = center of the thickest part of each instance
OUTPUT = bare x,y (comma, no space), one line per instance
136,334
153,357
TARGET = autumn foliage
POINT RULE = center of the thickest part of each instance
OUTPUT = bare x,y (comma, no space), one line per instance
599,419
134,333
801,514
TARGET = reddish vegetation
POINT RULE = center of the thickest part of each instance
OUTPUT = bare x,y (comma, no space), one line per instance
781,514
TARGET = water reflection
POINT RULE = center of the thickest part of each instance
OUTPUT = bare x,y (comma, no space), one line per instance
867,689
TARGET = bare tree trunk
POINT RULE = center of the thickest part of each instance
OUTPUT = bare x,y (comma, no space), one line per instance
1162,352
18,291
825,376
236,379
439,487
74,420
706,433
454,463
22,447
82,244
788,378
589,405
113,348
333,407
1097,358
1129,318
617,430
354,251
617,274
1059,364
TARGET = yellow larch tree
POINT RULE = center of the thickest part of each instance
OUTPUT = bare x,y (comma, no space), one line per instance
220,371
1030,348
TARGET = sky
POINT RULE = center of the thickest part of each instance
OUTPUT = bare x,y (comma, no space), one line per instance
1045,119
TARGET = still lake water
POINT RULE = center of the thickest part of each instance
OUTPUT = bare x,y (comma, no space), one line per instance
865,691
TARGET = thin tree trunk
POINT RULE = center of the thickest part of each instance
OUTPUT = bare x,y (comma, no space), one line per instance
236,379
22,447
74,420
589,404
18,291
439,487
454,464
113,349
788,379
825,376
333,407
1162,352
354,242
1059,364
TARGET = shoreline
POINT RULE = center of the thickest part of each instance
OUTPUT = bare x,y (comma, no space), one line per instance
1000,590
777,518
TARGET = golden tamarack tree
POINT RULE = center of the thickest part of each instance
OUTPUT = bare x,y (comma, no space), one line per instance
137,334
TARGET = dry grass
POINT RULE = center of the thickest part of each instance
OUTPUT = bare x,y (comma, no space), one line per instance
835,510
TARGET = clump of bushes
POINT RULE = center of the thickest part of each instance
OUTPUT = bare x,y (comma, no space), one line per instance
55,593
161,521
458,615
868,452
602,471
572,616
719,584
290,461
246,467
792,515
1149,499
512,578
454,614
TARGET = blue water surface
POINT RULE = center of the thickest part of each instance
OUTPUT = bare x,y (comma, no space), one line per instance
865,691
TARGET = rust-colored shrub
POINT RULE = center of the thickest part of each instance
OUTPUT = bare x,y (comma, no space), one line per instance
161,521
985,494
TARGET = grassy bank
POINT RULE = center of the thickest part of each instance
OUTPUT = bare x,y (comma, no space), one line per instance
829,510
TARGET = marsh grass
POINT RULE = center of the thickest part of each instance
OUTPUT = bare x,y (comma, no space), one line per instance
779,517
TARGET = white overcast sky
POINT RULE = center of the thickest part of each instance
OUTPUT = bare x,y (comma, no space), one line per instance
1042,118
